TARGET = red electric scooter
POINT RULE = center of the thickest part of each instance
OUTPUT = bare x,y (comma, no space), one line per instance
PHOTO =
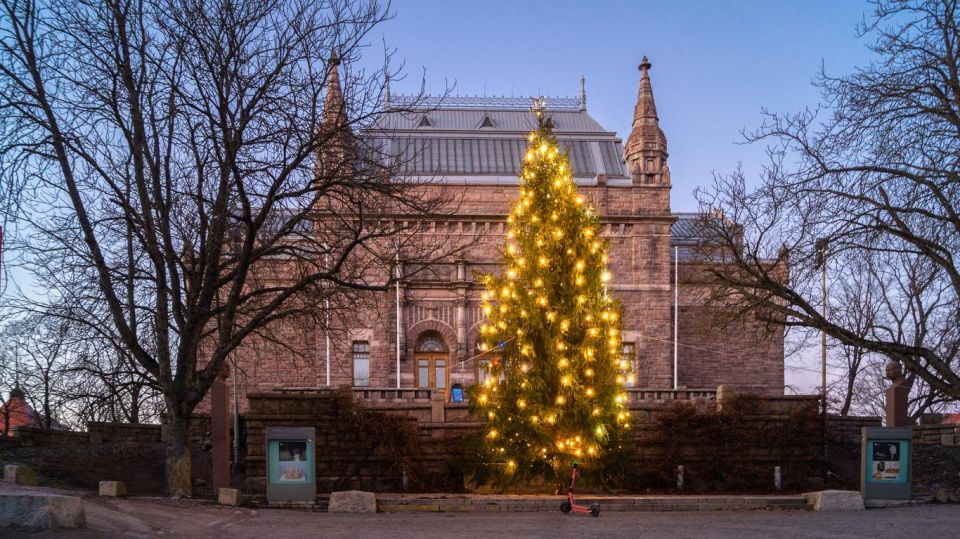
571,505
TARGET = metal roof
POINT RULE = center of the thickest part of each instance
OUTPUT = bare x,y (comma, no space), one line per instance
475,101
688,234
686,227
500,156
503,120
485,138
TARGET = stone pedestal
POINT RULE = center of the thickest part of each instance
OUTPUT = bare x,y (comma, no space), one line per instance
897,395
437,413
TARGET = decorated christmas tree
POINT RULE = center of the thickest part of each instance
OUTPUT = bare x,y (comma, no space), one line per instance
555,390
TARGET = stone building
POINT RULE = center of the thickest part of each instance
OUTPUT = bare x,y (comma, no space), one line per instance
474,147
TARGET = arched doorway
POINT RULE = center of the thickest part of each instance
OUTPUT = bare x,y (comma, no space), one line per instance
431,362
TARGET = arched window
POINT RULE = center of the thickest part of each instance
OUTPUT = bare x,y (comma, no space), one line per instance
431,343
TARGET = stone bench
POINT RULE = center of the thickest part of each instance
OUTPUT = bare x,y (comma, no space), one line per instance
41,511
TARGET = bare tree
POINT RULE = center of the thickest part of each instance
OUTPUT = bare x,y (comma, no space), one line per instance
873,176
854,302
70,375
35,346
186,167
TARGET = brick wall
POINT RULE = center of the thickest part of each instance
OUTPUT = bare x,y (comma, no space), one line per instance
445,302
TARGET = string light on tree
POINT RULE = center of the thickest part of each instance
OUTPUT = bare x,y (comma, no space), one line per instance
561,376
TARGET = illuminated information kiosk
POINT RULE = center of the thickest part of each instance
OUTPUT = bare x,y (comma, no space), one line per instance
291,468
885,463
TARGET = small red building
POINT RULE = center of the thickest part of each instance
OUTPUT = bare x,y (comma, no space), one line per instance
16,412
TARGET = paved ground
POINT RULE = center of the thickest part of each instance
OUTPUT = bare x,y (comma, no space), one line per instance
143,518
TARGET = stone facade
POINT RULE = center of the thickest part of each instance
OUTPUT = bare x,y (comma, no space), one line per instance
628,185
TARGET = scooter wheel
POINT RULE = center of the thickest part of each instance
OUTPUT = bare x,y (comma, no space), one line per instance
565,507
595,511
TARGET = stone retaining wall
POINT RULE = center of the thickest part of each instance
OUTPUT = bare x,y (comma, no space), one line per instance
946,435
349,458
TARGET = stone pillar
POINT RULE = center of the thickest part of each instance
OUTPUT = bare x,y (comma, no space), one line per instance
897,396
220,431
461,326
725,393
462,285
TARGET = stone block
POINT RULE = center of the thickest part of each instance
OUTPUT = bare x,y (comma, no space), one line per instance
352,501
230,496
834,500
114,489
945,495
41,511
20,475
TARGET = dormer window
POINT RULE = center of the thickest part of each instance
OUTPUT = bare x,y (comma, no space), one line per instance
424,122
486,122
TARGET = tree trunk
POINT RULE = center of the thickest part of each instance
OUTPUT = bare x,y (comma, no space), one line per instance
178,456
135,405
47,409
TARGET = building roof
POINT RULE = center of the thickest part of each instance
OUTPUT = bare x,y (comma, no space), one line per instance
502,120
16,412
482,140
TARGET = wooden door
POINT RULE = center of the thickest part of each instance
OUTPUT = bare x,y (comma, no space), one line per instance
433,371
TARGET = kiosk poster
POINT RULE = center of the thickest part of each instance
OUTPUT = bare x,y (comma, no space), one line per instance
886,461
293,461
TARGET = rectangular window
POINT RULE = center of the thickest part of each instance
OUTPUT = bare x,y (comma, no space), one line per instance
630,356
441,374
423,373
483,370
361,364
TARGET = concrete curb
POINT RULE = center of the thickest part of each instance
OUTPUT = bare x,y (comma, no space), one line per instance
404,504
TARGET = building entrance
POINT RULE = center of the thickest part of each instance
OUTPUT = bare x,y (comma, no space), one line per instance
431,361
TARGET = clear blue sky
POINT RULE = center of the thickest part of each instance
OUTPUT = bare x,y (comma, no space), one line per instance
715,63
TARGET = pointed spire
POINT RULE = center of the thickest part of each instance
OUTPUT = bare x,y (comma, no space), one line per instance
583,93
386,90
338,147
646,107
646,149
334,109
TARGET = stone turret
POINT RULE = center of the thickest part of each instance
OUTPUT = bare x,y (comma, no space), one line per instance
646,149
337,143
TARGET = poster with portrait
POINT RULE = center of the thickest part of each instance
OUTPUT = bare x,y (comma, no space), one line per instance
885,461
293,460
